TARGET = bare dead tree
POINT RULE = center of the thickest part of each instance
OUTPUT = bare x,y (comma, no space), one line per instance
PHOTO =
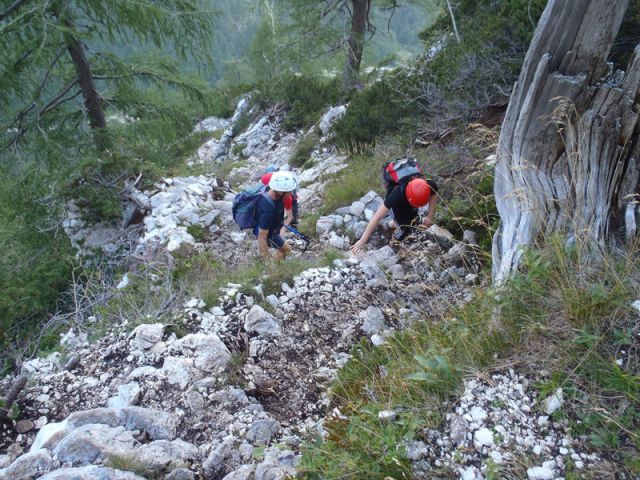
567,158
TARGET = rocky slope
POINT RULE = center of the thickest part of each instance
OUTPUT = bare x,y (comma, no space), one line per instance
230,391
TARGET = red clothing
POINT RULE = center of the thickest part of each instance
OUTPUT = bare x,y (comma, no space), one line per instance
287,201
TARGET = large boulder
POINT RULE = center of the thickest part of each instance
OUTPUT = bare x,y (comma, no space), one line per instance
262,431
128,394
28,466
94,441
91,472
329,118
158,425
162,454
209,351
147,335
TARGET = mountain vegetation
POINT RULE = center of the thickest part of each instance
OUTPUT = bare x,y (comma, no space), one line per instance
521,111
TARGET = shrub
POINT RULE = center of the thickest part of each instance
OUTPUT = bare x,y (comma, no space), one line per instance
302,152
305,97
36,260
472,207
375,111
494,38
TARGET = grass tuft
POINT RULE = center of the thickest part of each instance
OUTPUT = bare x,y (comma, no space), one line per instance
567,312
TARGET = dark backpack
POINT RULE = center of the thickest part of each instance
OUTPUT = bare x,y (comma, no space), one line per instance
401,170
244,205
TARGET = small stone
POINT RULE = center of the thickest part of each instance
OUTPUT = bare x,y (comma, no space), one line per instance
387,415
543,420
24,426
553,402
540,473
478,414
483,438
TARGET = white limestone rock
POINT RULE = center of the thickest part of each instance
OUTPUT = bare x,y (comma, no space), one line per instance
94,441
178,370
158,455
540,473
49,435
325,224
128,394
90,472
210,353
329,118
259,321
482,437
28,466
158,425
372,320
553,402
147,335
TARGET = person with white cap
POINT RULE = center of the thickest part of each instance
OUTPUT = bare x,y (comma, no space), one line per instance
269,215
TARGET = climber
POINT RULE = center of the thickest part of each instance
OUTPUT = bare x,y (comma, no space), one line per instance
269,214
405,195
290,201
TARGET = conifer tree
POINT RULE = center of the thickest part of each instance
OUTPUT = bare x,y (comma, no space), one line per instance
61,62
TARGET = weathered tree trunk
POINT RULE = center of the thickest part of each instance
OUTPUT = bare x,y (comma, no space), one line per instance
355,43
88,88
568,150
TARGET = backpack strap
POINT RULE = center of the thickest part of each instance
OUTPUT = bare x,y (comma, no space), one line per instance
268,197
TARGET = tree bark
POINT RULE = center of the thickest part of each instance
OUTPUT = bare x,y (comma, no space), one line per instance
567,158
355,43
88,88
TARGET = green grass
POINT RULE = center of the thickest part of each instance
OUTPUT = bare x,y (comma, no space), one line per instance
351,183
567,312
203,274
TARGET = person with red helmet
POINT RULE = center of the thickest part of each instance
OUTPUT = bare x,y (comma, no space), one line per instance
403,200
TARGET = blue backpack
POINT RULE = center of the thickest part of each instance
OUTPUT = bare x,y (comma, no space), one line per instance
244,205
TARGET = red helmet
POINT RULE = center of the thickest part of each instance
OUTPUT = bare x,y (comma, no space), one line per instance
266,178
418,192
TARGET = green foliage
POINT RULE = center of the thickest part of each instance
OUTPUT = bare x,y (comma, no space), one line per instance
472,207
494,38
198,232
351,183
203,274
305,96
372,113
36,260
39,76
434,370
302,152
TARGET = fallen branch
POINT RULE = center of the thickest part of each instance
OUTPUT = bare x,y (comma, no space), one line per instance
14,391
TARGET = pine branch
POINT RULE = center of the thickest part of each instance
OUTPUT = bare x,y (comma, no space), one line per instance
11,8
